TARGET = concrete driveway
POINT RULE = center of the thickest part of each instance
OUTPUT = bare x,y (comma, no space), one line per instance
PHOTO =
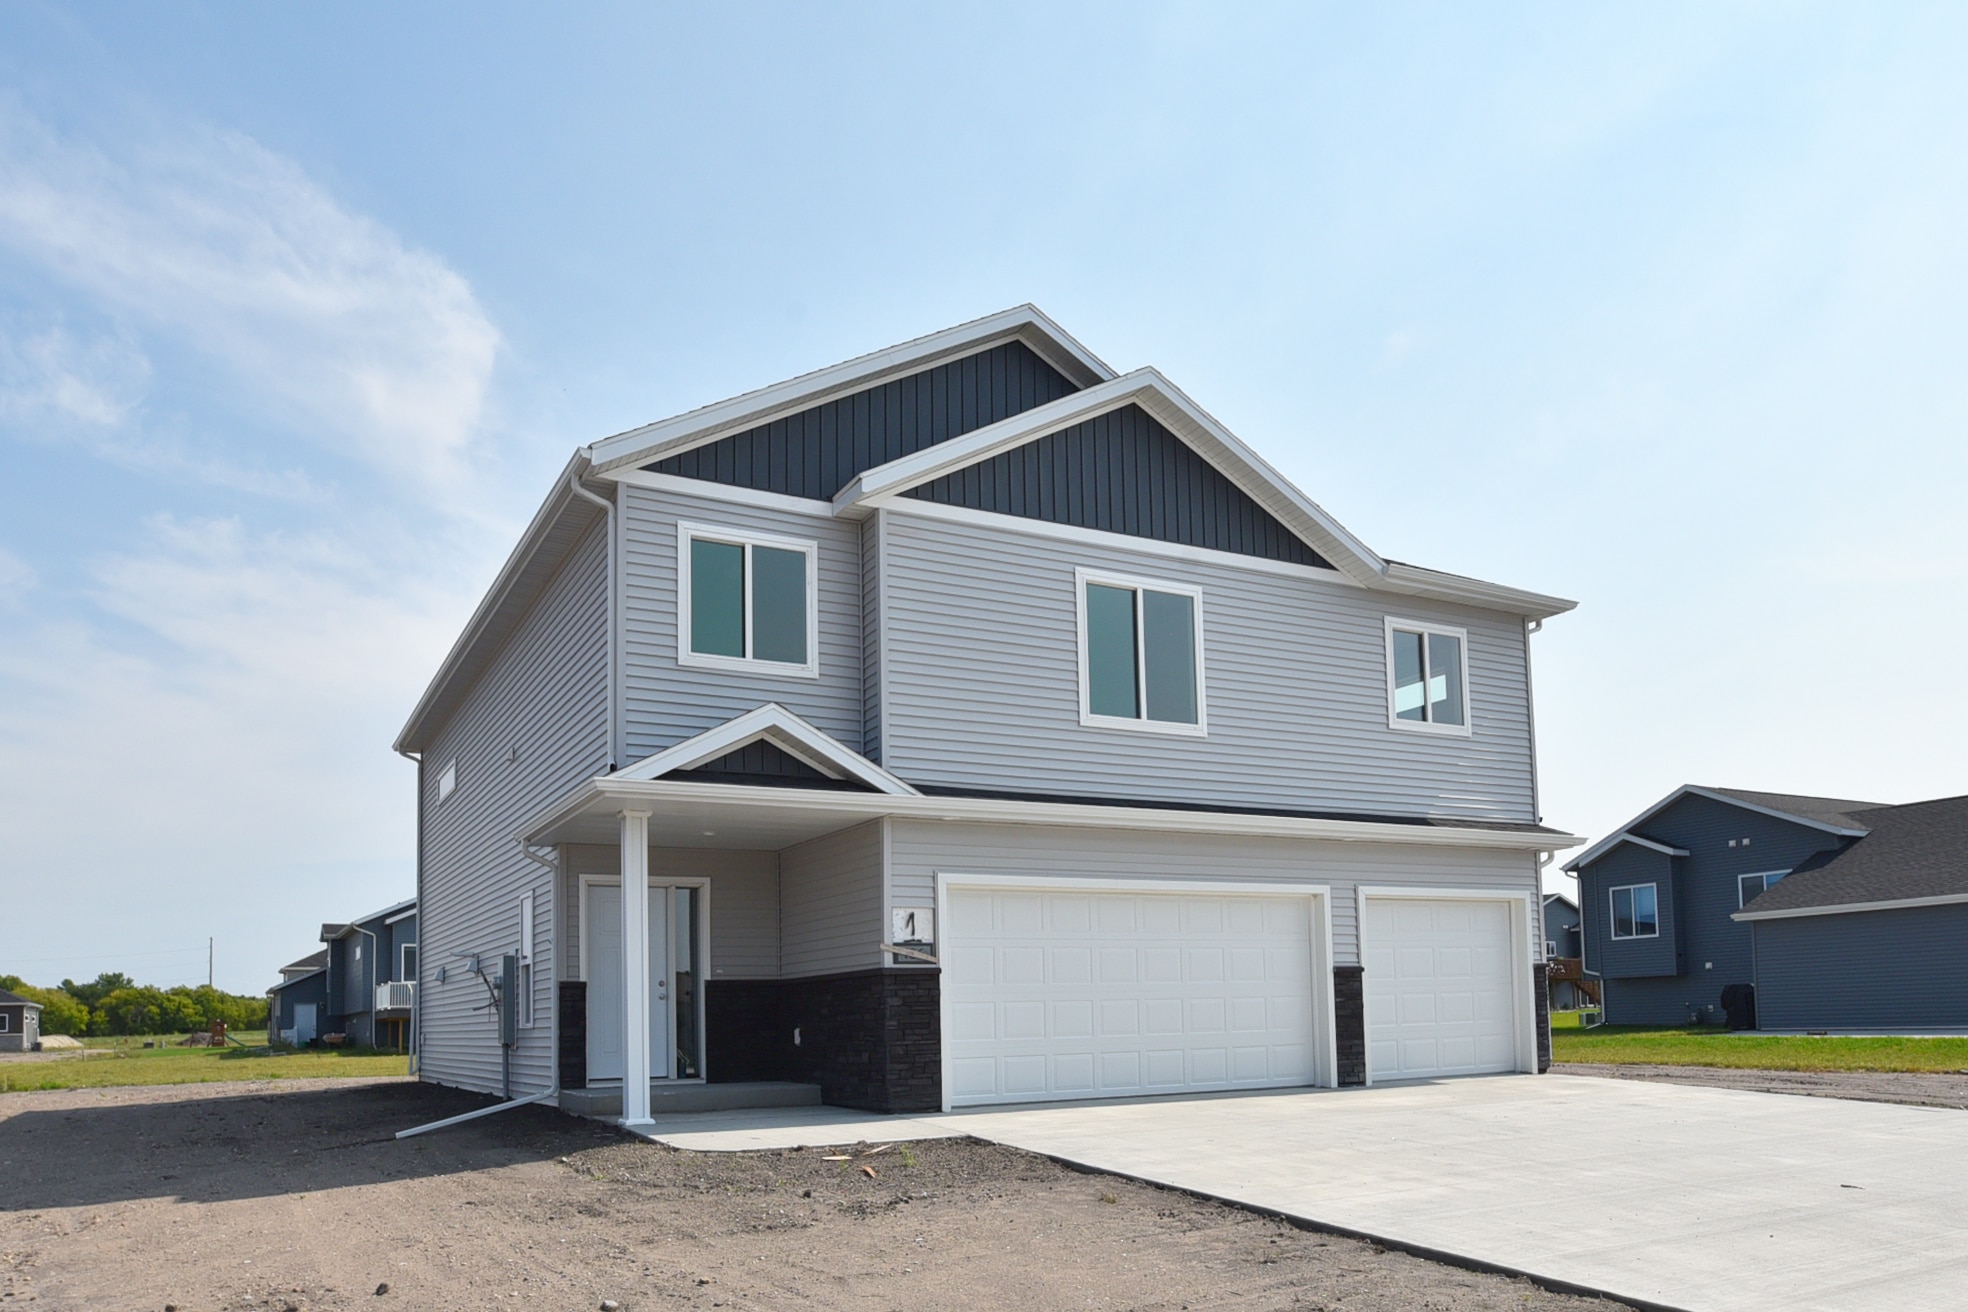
1710,1200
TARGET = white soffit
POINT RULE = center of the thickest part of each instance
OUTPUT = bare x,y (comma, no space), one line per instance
1025,323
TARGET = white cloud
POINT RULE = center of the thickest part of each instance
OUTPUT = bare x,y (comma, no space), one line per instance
16,578
323,316
52,377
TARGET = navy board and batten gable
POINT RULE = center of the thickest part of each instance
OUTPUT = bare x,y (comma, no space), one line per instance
1836,913
1168,781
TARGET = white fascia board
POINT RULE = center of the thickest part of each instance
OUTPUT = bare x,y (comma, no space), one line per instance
1024,323
1422,582
1853,908
613,792
1605,845
557,503
401,916
786,731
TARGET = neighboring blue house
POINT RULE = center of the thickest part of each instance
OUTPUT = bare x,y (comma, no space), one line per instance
1562,948
297,1006
361,985
1839,914
371,976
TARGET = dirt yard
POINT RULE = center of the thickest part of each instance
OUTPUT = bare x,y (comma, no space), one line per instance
277,1196
1921,1088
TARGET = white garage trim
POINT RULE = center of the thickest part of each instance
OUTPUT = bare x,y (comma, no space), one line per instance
1325,1037
1523,1008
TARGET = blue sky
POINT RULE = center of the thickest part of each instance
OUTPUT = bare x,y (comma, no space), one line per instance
1658,307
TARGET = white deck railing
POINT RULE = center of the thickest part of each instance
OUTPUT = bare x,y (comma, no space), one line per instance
396,995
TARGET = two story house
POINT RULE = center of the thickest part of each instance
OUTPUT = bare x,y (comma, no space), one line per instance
1825,913
969,723
361,985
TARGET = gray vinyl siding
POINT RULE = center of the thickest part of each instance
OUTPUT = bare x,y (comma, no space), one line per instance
1898,969
665,702
744,901
920,850
871,637
830,903
981,687
542,700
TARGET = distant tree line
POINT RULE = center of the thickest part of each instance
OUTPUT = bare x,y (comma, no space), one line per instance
113,1003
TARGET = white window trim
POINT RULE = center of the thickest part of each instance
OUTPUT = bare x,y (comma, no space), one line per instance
1081,578
526,978
1764,875
1425,627
403,971
747,664
6,1023
1612,917
447,779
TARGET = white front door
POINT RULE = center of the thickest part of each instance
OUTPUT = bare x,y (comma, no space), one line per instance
1441,987
602,927
303,1024
1086,994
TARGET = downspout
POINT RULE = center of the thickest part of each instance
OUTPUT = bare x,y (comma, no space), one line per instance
372,983
417,994
608,510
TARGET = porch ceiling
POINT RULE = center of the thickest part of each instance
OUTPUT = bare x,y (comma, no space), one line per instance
715,821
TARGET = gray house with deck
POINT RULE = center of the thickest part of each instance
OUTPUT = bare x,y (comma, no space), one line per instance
970,723
1832,914
361,985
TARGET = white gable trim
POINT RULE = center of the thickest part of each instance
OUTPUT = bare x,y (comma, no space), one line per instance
1025,323
784,730
1605,845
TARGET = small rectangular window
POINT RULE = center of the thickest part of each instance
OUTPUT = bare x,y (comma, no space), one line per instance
407,961
746,601
1140,655
1427,677
447,782
6,1021
1636,912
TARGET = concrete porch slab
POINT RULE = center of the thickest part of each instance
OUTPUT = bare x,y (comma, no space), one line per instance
761,1129
667,1099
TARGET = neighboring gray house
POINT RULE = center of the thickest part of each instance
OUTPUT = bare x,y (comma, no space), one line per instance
1839,914
20,1023
963,724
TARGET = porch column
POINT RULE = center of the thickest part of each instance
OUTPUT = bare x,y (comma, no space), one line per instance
635,967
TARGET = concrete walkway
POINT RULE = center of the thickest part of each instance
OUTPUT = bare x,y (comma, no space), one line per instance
1710,1200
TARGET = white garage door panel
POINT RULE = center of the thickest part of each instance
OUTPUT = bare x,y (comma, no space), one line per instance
1090,995
1440,987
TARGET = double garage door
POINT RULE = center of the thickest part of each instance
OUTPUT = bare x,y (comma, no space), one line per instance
1075,993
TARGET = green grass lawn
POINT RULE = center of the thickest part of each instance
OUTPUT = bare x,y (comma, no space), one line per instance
1630,1045
129,1062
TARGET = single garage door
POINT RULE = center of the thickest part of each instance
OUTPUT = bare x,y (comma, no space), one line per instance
1084,994
1441,990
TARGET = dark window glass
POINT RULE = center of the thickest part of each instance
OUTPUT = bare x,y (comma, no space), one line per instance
1622,913
1444,679
1168,633
1645,921
1111,663
717,598
1409,704
779,605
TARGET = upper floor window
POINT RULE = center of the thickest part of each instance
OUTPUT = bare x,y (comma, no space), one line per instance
447,781
747,601
1636,912
1141,654
1427,677
1748,886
